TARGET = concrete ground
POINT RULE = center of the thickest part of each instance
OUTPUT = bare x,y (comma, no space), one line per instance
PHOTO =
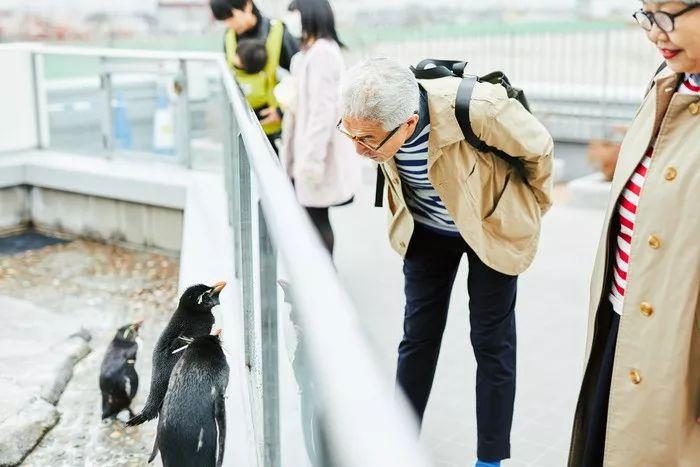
57,290
551,320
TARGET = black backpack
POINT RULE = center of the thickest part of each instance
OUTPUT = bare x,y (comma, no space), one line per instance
434,69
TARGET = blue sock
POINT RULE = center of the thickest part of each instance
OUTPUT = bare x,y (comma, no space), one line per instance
488,464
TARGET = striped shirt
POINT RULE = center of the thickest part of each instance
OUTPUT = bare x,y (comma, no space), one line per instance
422,200
627,211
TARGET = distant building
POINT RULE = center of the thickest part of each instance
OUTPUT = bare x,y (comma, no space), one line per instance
183,15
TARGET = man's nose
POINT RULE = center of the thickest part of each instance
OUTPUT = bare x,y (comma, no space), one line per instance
362,150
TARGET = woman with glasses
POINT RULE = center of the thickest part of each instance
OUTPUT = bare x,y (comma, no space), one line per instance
319,160
640,398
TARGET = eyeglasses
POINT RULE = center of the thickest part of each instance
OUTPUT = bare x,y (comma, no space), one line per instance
362,143
665,21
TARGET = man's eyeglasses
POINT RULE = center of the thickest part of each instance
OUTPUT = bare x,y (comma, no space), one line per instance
665,21
361,142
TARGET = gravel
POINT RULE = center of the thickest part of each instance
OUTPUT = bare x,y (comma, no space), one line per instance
106,287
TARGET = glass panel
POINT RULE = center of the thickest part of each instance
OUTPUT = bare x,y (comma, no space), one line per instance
207,100
299,399
74,103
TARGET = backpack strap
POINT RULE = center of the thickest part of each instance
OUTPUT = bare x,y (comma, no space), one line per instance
439,69
379,188
462,102
661,68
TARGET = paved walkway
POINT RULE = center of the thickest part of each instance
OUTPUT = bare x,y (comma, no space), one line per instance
551,313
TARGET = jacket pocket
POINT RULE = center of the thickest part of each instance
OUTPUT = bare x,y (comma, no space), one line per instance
516,215
497,198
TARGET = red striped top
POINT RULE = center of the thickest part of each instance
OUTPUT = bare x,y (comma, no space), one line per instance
627,206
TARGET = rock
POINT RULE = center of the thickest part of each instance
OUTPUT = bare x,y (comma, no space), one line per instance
21,432
75,348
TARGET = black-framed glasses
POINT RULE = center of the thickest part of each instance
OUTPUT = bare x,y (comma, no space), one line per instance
362,143
665,21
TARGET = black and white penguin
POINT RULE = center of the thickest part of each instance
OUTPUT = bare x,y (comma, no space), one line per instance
192,421
118,378
192,318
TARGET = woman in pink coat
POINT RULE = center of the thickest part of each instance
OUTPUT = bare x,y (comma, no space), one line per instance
319,160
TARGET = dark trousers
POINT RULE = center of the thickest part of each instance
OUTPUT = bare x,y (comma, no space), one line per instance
597,412
430,267
273,139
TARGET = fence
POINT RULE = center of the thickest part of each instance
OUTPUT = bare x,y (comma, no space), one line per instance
581,83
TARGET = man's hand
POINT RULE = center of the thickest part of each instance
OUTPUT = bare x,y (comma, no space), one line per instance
269,115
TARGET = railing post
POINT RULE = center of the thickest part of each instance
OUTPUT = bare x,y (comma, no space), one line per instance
107,115
183,148
232,168
246,227
269,345
43,136
607,40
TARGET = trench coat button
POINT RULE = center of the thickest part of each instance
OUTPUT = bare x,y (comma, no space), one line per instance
655,242
694,108
646,309
669,90
671,174
635,377
402,244
395,180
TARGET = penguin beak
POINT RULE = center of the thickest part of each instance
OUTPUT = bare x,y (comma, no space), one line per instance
137,325
216,290
217,333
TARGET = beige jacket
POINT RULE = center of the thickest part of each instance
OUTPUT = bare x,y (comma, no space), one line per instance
496,211
655,391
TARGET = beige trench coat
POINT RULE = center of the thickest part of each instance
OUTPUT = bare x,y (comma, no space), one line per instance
497,212
655,390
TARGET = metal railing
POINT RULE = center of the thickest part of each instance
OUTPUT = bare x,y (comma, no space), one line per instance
349,415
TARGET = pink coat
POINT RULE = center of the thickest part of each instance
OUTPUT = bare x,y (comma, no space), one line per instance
320,159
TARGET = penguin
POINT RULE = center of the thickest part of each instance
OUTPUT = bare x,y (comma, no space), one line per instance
192,318
118,378
192,422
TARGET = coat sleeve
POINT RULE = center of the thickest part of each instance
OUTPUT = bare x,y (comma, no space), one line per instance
505,124
321,91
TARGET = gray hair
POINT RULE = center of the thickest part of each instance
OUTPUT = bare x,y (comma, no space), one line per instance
381,90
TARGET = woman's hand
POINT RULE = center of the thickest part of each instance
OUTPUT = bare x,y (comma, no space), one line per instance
269,115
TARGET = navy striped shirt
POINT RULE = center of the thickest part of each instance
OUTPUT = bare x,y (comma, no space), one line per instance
421,198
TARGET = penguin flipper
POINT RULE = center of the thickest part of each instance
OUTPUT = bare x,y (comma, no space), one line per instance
154,453
220,421
138,420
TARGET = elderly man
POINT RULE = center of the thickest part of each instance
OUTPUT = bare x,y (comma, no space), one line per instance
447,199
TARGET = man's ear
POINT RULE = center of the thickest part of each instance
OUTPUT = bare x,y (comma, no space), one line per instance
413,121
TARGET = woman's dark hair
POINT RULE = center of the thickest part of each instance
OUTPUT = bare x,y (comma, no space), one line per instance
221,9
252,54
317,20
